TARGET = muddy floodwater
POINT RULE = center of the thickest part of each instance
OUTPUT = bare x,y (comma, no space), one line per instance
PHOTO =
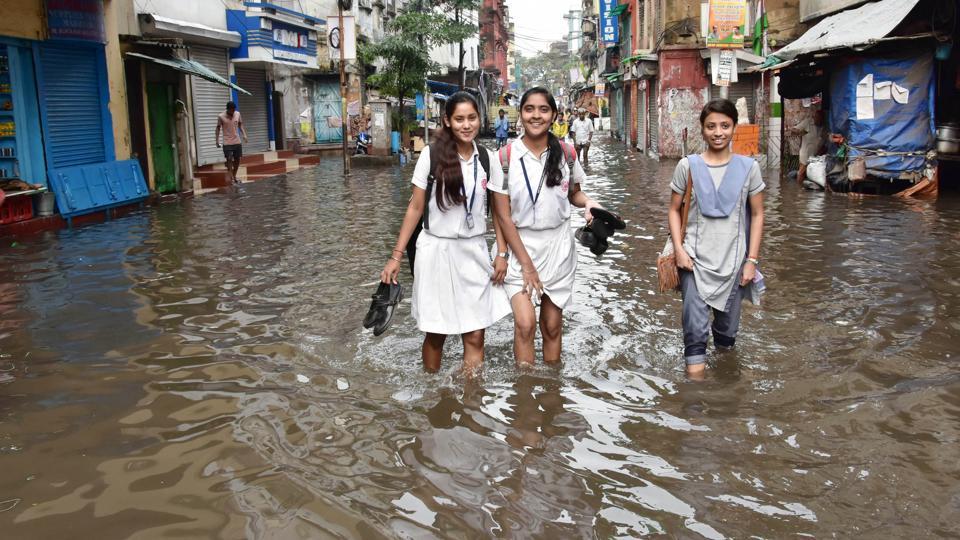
198,370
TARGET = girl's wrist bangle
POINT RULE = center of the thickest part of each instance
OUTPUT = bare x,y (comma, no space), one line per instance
394,258
756,262
397,251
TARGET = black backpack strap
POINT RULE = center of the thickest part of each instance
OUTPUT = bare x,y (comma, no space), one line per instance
484,156
426,204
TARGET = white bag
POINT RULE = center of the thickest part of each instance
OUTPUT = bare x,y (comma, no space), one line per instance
817,170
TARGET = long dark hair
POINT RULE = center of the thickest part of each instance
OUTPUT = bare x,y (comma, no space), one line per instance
555,157
444,160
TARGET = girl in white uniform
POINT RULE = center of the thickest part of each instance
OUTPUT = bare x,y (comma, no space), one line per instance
452,288
533,218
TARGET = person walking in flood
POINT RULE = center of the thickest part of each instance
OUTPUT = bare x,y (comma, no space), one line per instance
719,253
811,141
532,207
582,130
453,291
502,128
231,123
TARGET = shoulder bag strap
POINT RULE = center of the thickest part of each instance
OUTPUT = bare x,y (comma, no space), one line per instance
685,205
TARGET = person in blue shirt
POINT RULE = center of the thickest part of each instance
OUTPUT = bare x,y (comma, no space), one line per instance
502,127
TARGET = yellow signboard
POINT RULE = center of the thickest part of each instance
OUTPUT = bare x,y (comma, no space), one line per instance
728,20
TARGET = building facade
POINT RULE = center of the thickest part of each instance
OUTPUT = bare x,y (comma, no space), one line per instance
658,74
495,39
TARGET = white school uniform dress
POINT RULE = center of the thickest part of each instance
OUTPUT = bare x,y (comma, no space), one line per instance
543,222
452,291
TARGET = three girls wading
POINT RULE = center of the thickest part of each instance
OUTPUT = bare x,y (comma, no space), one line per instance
718,254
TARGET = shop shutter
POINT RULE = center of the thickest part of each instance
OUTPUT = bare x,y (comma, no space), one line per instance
209,100
654,119
741,89
641,107
73,105
253,109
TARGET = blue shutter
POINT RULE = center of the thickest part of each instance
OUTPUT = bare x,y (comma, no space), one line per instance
70,78
77,132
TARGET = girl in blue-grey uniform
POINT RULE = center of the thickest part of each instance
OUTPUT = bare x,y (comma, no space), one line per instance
719,253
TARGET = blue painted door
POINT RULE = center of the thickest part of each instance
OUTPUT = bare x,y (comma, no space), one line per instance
327,121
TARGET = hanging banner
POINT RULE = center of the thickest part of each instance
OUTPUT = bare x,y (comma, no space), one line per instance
726,71
348,38
600,89
609,25
76,19
727,23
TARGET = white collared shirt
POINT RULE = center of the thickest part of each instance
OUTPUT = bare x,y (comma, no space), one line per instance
452,221
553,205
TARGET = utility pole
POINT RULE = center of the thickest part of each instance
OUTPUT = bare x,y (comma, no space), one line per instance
344,119
426,91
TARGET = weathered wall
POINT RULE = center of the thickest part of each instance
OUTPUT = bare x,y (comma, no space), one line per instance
297,98
116,80
684,90
22,18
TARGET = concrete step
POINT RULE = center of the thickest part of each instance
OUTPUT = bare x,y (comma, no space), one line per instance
213,179
308,160
275,167
252,158
284,154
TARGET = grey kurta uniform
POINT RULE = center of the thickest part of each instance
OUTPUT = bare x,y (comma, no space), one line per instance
718,246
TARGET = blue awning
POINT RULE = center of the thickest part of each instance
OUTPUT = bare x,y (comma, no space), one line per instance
446,89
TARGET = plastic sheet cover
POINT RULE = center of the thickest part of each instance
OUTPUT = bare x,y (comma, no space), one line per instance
885,104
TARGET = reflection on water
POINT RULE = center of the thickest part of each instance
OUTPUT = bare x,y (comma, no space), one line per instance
198,370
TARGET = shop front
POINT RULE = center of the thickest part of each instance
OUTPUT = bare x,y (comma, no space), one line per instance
56,130
276,43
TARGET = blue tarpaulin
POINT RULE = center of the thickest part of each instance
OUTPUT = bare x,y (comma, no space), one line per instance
884,109
446,89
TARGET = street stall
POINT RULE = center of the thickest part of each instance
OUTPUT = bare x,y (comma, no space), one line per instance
875,69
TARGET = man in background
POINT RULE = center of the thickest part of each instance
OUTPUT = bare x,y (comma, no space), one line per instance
811,141
502,128
231,123
582,130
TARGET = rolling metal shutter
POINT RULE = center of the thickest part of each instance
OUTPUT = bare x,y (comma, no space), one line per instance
654,119
209,100
73,104
253,109
737,90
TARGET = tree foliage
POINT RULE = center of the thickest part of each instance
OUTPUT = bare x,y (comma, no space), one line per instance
405,50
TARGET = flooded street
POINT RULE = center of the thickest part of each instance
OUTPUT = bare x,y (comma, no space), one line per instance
199,370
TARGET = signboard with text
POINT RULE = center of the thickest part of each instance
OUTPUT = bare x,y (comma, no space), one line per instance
609,25
727,23
76,19
292,43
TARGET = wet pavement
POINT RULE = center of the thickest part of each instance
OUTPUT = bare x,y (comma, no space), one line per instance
198,370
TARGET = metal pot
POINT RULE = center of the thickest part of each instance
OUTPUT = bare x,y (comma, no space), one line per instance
948,146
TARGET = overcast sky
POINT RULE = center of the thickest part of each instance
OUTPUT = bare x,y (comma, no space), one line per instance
538,22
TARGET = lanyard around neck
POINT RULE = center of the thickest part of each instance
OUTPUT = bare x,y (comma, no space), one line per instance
473,193
526,179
